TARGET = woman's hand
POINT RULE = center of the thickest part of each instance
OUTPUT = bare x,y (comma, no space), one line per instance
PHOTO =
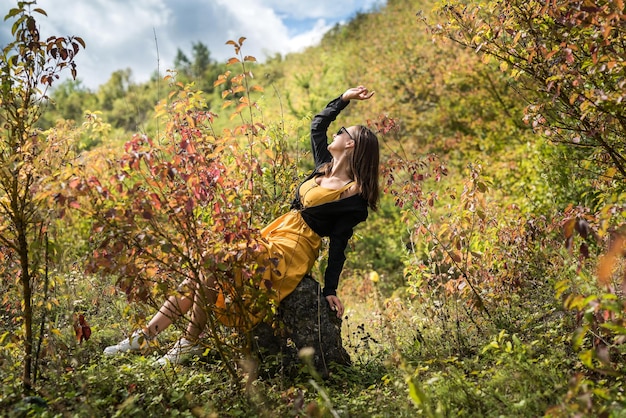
335,305
358,93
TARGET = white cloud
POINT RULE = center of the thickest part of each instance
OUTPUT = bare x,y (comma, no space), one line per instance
121,34
327,9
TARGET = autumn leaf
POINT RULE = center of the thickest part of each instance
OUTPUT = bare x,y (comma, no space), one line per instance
608,261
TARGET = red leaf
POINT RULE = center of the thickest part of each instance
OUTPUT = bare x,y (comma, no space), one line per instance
82,329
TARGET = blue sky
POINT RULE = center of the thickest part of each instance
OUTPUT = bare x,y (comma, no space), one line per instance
121,34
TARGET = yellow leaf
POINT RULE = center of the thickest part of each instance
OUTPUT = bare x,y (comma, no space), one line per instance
574,302
610,173
608,261
568,227
269,153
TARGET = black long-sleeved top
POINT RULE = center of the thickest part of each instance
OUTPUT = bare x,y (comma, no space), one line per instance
336,219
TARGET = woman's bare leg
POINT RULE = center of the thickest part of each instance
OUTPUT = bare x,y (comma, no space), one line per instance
204,296
173,308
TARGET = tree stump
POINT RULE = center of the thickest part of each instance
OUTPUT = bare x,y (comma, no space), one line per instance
304,319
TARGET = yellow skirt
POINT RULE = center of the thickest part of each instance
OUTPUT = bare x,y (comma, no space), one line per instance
288,250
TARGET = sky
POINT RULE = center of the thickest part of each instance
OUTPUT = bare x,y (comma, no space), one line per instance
144,35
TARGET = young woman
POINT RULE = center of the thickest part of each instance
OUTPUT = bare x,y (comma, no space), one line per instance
330,202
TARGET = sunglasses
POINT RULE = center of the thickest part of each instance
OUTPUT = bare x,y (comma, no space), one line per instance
342,130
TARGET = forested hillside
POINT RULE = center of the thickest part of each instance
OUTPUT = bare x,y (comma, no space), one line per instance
490,282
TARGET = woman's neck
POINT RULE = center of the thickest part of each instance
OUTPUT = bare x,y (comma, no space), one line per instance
341,170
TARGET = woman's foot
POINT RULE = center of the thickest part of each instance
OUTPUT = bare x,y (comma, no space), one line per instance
137,342
180,352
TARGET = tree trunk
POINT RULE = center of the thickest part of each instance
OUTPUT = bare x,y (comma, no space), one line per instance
304,319
27,293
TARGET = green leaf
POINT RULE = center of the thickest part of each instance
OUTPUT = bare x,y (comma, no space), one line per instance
12,13
578,336
416,393
618,329
587,358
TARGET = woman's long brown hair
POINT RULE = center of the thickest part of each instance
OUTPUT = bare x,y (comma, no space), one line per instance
364,164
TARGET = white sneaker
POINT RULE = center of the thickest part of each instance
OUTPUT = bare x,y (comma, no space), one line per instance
180,352
138,341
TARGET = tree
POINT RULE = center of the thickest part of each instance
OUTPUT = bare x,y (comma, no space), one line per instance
201,59
114,89
28,67
68,100
567,57
179,206
181,61
201,68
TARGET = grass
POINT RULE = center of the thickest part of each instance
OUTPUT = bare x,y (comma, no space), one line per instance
409,359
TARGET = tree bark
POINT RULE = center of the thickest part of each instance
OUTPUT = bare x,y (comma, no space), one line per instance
28,311
304,319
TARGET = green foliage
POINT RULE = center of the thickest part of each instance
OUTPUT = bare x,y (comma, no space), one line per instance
123,105
69,99
567,58
490,282
30,164
181,206
200,69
